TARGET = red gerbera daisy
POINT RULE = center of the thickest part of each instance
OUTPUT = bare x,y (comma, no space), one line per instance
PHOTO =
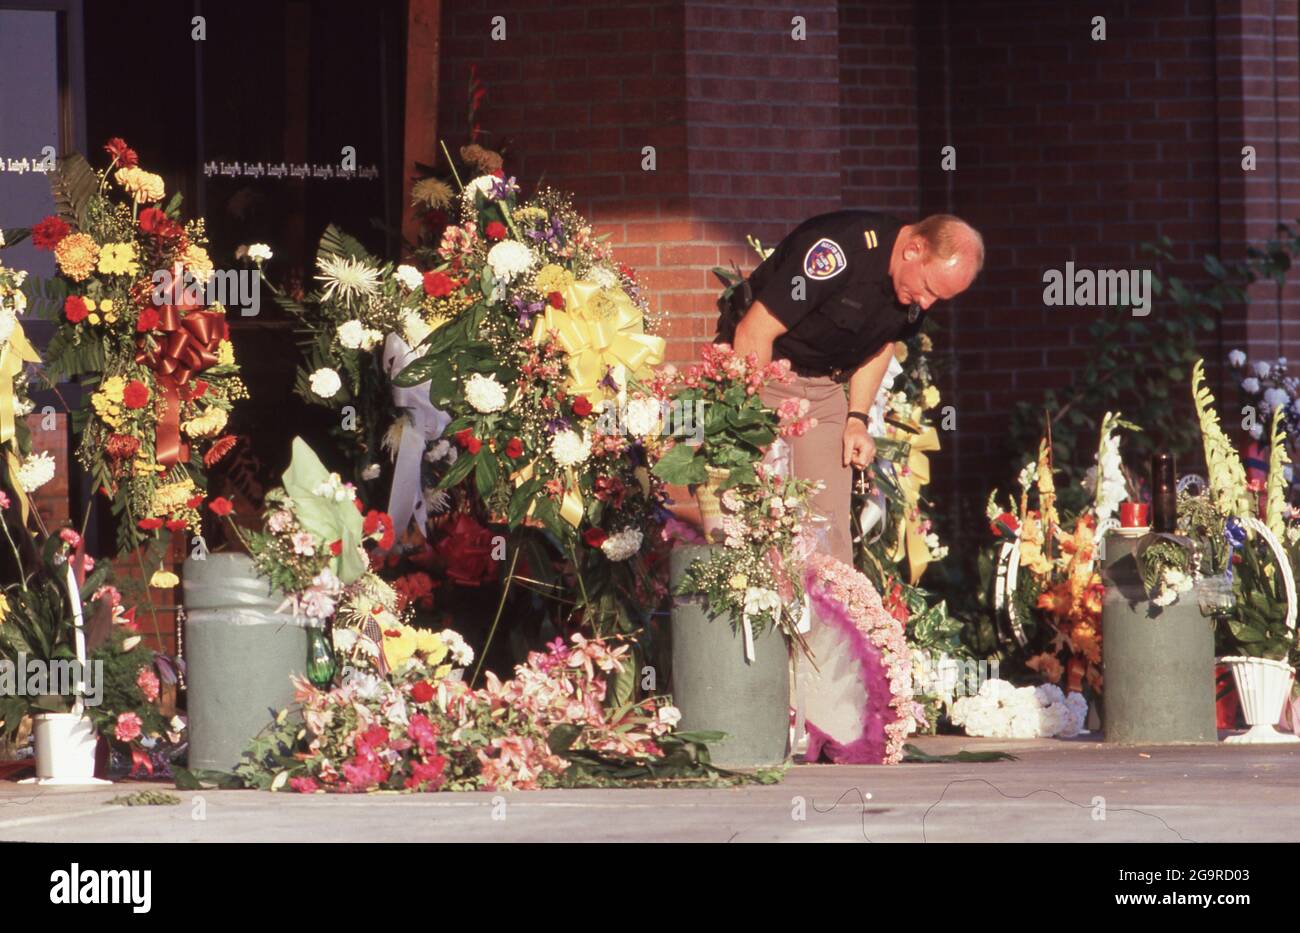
48,233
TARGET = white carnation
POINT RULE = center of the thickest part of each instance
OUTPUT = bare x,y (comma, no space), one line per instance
36,471
259,252
570,449
410,277
623,545
485,393
352,334
641,416
414,328
510,259
1237,359
325,382
483,183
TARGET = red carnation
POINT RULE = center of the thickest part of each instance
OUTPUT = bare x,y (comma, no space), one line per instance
74,309
556,300
594,537
122,154
136,394
151,219
194,501
422,692
437,284
221,506
465,438
48,233
149,524
474,445
581,406
514,448
336,547
176,525
148,320
379,522
495,230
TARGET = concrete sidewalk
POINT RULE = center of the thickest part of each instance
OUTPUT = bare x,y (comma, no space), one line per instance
1058,791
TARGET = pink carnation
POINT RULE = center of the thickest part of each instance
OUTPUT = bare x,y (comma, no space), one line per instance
304,785
147,681
128,727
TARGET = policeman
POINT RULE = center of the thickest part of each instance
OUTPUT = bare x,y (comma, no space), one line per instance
832,298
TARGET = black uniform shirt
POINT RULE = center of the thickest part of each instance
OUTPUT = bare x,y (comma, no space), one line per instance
848,310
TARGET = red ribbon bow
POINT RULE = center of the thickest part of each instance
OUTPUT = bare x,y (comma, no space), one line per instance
189,346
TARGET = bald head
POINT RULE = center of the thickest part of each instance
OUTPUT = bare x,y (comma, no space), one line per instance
935,259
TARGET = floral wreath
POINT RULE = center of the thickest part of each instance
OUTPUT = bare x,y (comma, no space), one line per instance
845,596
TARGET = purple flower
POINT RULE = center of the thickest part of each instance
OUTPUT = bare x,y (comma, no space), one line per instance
503,188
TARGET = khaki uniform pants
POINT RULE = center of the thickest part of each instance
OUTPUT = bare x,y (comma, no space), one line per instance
819,454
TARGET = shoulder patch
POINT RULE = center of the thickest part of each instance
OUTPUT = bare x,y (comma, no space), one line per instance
871,239
824,260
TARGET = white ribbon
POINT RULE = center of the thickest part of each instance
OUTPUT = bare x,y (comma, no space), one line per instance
749,639
74,595
425,423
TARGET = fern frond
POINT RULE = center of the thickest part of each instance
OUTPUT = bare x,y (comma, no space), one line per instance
74,184
1226,474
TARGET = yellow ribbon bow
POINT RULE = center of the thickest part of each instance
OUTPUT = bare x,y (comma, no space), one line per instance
571,507
16,351
599,328
911,540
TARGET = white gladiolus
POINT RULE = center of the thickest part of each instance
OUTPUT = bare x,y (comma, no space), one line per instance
410,277
325,382
36,471
570,449
484,393
510,259
1237,359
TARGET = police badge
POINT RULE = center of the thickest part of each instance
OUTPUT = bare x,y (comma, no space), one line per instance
824,260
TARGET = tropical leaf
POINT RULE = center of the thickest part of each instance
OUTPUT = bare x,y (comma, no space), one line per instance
334,242
74,184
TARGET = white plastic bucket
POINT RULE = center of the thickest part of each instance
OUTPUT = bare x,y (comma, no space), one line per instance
65,747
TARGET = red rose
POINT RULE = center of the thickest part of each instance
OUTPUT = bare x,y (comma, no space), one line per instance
422,692
466,550
136,394
581,406
151,219
514,448
556,300
221,506
48,233
466,439
149,524
74,309
336,547
594,537
176,525
437,284
123,154
148,320
495,230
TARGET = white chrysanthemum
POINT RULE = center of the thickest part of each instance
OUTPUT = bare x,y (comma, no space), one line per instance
1262,369
641,416
1250,385
484,393
510,259
1237,359
410,277
347,278
460,651
36,471
259,252
414,328
325,382
605,278
483,183
570,449
623,545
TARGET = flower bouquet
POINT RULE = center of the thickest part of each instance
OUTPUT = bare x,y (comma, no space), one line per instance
24,471
135,328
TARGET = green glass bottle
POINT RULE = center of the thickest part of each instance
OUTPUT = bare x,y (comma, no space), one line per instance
320,658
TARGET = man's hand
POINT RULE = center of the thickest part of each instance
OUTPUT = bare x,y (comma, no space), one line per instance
859,447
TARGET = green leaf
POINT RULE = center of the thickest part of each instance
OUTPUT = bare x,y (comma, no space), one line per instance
486,472
460,469
681,466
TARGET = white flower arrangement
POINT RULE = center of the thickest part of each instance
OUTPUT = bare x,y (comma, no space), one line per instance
37,470
354,335
325,382
1001,710
484,393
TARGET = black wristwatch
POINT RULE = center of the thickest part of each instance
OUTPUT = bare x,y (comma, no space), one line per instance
861,416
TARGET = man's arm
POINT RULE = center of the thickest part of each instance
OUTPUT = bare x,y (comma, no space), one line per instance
757,331
859,448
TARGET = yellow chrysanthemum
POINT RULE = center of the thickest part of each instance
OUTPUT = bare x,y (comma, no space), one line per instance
739,581
144,187
107,402
118,259
171,497
930,397
144,467
207,424
225,353
431,645
77,255
432,193
196,260
552,278
399,644
163,579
